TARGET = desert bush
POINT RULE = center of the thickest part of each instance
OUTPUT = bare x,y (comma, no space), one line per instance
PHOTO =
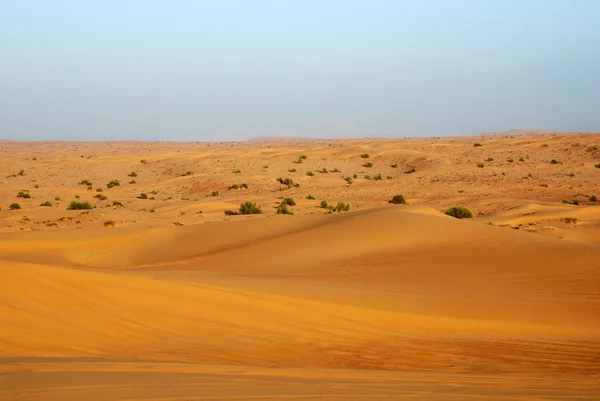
342,207
143,195
349,180
57,198
286,181
289,201
36,186
593,148
459,212
477,144
367,177
310,173
395,165
480,165
571,220
143,161
336,170
47,203
355,176
323,170
544,185
571,202
236,171
399,200
79,205
411,170
324,204
283,209
85,182
99,190
117,203
77,196
593,198
132,174
249,208
489,159
597,165
510,160
554,161
231,213
214,193
14,206
24,194
310,197
22,173
303,157
133,182
101,197
365,155
245,186
377,177
109,223
521,159
234,186
368,164
189,172
292,170
113,183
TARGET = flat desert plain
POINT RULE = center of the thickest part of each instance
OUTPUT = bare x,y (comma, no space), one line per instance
155,293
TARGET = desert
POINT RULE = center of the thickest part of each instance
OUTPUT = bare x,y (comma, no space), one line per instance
140,270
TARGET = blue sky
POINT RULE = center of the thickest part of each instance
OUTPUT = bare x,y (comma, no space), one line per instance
228,70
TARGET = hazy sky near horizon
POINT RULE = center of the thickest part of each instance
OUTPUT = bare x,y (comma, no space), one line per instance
227,70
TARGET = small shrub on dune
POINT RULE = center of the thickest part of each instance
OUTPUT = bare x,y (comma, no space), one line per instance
554,161
349,180
133,182
368,177
85,182
236,171
109,223
14,206
288,201
395,165
336,170
249,208
79,206
286,181
214,193
399,200
189,173
342,207
101,197
489,159
132,174
47,203
521,159
310,197
324,204
292,170
377,177
113,183
597,165
365,155
571,202
324,171
99,190
143,195
355,176
283,209
22,173
480,165
303,157
231,213
593,198
117,203
310,173
368,164
143,161
24,194
410,171
459,212
510,160
477,144
234,186
57,198
245,186
571,220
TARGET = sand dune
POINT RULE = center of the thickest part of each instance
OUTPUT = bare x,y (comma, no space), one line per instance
382,302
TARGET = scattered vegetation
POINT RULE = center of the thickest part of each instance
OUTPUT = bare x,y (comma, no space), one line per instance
480,165
336,170
231,213
143,195
236,171
244,185
377,177
249,208
571,220
342,207
117,203
143,161
355,176
57,198
215,193
14,206
489,159
324,204
571,202
113,183
77,196
287,181
571,174
189,172
234,186
597,165
109,223
292,170
399,200
310,197
310,173
554,161
521,159
459,212
323,171
367,177
133,182
85,182
477,144
24,194
79,205
288,202
283,209
349,180
365,155
593,198
22,173
395,165
302,157
132,174
368,164
47,203
101,197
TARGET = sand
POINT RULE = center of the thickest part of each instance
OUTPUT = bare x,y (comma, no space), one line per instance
170,299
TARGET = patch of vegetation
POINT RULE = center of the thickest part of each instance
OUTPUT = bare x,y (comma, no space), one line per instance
489,159
286,181
77,196
57,198
292,170
310,173
355,176
399,200
249,208
113,183
597,165
477,144
283,209
336,170
554,161
109,223
349,180
459,212
368,177
143,195
243,185
133,182
22,173
571,220
288,201
480,165
14,206
236,171
571,202
117,203
231,213
36,186
99,190
101,197
544,185
234,186
368,164
189,172
324,204
215,193
365,155
303,157
85,182
79,206
342,207
132,174
377,177
510,160
592,148
143,161
47,203
521,159
24,194
593,198
310,197
490,223
395,165
412,170
324,171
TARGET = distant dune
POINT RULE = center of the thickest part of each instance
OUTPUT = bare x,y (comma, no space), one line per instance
164,296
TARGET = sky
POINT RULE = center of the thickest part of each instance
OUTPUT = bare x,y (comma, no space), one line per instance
230,70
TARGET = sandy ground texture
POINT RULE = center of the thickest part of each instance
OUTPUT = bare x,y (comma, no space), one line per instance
165,297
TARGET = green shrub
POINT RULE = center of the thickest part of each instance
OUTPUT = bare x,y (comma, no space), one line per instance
395,165
365,155
593,198
113,183
133,182
231,213
101,197
336,170
477,144
283,209
143,195
324,204
324,171
303,157
79,205
310,173
244,186
480,165
571,174
355,176
249,208
143,161
236,171
47,203
288,201
399,200
342,207
57,198
85,182
99,190
377,177
36,186
459,212
521,159
132,174
24,194
368,164
349,180
117,203
22,173
214,193
554,161
367,177
189,172
489,159
286,181
234,186
292,170
14,206
77,196
310,197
